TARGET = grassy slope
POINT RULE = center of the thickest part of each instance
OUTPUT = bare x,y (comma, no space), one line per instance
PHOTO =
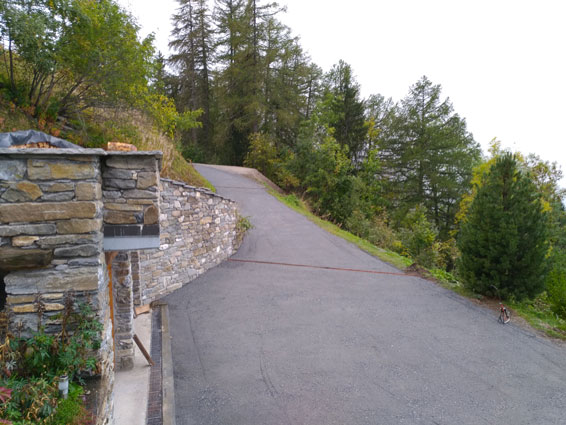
99,129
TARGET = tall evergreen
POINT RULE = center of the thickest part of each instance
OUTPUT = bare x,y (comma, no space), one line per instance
193,46
427,155
504,241
349,111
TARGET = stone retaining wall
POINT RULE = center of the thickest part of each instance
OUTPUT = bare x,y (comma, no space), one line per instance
199,229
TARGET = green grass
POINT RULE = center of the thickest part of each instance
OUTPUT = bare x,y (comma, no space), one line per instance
299,206
537,313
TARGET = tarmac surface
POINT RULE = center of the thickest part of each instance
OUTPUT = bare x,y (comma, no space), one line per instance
256,343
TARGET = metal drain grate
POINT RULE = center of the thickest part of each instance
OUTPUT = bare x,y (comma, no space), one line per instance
155,396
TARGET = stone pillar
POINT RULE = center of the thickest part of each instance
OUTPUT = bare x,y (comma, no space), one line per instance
135,261
123,310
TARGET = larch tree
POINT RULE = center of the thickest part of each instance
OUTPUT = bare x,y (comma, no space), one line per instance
427,155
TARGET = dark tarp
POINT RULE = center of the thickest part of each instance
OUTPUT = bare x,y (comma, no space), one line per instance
24,137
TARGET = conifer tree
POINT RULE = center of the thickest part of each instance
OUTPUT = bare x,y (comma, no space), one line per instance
504,241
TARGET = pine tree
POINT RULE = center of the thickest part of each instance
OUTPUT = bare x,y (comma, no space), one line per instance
349,112
427,155
504,241
193,45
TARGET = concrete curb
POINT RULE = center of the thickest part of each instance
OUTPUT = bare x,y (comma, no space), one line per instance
167,369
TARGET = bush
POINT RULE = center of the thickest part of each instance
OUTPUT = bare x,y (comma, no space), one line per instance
418,239
556,289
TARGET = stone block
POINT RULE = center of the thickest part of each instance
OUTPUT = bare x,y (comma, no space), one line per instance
46,211
53,241
147,179
86,191
123,207
120,217
111,194
58,187
151,215
48,280
16,259
58,196
22,192
52,170
116,173
79,226
77,251
132,162
137,194
12,170
24,240
118,183
28,229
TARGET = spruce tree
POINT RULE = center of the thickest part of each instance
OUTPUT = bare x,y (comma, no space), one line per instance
504,242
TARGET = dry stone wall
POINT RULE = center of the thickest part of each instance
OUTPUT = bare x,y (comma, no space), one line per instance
199,229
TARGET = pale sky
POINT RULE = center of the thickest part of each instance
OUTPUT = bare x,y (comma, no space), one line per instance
501,62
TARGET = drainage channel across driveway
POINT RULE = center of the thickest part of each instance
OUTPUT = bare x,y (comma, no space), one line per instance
261,343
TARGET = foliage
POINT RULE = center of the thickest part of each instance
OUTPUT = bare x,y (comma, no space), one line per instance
504,241
427,155
73,54
418,238
556,290
30,367
262,155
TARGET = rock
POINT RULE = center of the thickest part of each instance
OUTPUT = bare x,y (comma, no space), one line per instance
111,194
22,192
151,215
79,226
119,217
77,251
46,211
136,193
122,207
58,187
28,229
16,259
146,179
48,280
88,192
24,240
53,241
118,183
132,162
47,170
12,170
58,196
116,173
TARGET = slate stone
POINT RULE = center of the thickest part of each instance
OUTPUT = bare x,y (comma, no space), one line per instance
58,196
12,170
77,251
16,259
46,211
119,183
28,229
49,280
78,226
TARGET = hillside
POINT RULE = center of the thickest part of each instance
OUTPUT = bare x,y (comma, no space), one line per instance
99,127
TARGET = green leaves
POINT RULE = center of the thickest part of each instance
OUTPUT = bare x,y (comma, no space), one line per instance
504,241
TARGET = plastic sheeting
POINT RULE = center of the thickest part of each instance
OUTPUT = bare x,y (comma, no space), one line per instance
25,137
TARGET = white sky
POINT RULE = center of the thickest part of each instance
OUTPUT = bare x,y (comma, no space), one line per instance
501,62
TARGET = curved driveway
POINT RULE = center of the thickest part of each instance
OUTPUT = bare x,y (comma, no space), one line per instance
259,344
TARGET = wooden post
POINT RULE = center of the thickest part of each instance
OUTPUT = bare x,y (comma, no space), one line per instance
109,258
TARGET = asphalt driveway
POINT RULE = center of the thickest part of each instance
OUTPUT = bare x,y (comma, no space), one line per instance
266,344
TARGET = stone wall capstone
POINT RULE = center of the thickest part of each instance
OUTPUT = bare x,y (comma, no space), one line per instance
199,229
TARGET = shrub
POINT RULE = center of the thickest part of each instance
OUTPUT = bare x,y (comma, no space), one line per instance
556,289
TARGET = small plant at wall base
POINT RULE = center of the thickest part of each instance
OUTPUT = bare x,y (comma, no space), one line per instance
30,370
